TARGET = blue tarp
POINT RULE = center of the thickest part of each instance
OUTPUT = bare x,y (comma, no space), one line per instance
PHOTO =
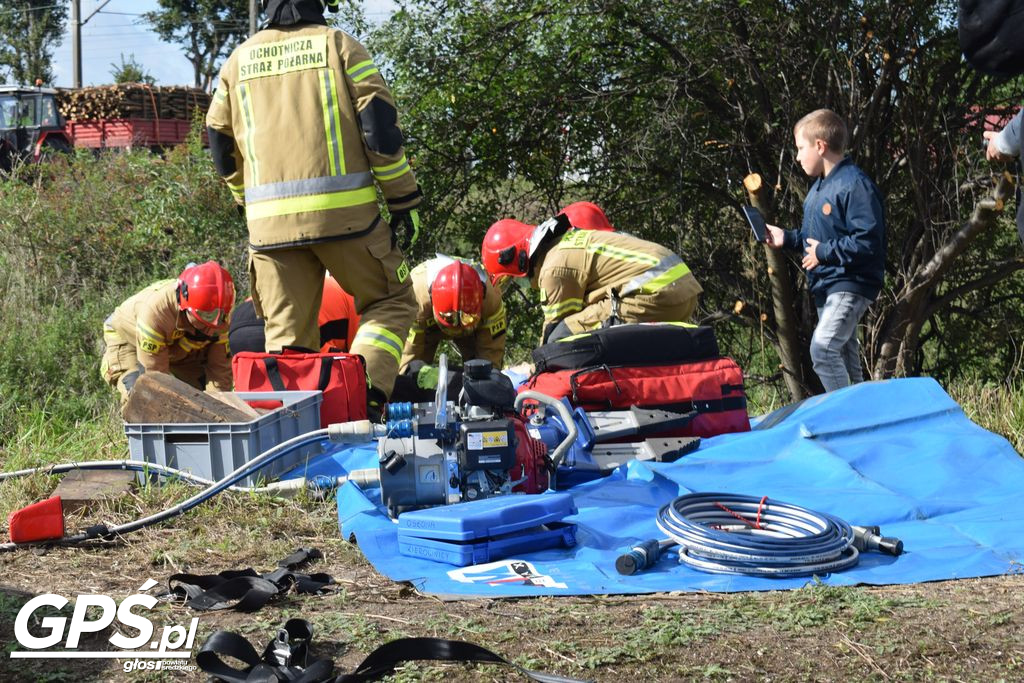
900,454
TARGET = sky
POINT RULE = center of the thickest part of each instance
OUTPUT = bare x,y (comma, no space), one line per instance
118,29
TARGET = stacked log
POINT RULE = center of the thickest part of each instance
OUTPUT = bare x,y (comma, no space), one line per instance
132,100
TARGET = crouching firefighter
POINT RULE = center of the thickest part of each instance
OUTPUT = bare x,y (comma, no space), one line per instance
454,300
174,326
304,130
590,278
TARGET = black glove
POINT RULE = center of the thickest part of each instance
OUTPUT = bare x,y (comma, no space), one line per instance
240,208
410,222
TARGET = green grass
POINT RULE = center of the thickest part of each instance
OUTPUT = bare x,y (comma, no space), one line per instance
996,407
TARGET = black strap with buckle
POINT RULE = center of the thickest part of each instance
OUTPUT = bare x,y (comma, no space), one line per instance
287,658
247,590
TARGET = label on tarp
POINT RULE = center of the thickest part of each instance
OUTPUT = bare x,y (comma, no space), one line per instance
478,441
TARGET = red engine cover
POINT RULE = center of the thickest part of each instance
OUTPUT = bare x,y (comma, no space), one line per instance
531,462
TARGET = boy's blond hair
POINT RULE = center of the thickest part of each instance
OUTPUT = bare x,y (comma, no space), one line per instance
824,124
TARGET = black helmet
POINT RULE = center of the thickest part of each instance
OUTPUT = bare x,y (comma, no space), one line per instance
332,5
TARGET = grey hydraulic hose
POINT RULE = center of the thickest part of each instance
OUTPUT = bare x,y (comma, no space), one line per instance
570,426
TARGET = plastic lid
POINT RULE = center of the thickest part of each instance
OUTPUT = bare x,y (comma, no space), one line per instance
486,518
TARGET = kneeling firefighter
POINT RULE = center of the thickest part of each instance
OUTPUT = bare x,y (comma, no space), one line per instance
456,301
590,278
304,131
174,326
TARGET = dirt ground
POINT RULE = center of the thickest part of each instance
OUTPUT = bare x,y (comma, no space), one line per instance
970,629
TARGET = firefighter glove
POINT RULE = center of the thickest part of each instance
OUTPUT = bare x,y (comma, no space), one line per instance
427,377
409,220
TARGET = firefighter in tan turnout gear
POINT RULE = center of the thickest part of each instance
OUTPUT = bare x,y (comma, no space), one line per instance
174,326
588,278
456,301
304,130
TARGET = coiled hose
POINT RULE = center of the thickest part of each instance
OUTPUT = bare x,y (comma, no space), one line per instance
726,533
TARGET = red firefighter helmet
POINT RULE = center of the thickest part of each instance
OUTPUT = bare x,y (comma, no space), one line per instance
206,292
457,296
587,216
506,249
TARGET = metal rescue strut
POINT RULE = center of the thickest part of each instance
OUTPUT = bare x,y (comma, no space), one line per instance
725,533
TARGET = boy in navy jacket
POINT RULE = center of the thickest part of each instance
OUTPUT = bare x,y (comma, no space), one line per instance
843,240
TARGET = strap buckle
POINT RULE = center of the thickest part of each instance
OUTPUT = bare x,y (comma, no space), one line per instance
281,650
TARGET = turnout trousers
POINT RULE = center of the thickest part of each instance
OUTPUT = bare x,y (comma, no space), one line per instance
287,286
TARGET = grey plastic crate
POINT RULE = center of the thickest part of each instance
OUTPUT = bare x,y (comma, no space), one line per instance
213,450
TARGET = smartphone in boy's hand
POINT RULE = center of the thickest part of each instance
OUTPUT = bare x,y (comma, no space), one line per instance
757,223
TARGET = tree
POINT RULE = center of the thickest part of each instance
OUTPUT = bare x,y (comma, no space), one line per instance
130,71
207,30
29,32
658,111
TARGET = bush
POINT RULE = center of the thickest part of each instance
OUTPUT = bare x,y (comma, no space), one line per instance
77,237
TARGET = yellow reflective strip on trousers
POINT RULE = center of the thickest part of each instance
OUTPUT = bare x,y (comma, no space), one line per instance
668,277
245,97
381,338
382,331
325,104
313,202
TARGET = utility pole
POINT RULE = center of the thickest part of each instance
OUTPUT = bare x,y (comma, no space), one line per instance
76,43
76,38
254,16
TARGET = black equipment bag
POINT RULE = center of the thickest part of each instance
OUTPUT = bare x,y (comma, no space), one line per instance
992,35
629,344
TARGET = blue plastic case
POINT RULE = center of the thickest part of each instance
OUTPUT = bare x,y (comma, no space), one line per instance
487,530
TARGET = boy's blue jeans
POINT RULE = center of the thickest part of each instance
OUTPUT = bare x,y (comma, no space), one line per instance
835,349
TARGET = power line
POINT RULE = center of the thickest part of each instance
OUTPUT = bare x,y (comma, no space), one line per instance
25,10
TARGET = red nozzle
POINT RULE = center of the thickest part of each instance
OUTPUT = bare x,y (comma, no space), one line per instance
42,521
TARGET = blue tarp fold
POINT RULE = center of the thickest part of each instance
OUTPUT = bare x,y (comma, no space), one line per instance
900,454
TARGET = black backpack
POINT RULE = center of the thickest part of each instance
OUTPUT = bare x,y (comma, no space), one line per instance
629,344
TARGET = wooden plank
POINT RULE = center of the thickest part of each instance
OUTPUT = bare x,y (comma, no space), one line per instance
159,398
81,488
233,400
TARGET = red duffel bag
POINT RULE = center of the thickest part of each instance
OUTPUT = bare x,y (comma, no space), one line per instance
714,388
340,376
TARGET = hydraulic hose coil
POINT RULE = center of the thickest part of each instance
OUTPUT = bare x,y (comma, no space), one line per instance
726,533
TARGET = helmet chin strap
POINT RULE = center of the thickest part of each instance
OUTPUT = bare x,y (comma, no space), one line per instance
552,226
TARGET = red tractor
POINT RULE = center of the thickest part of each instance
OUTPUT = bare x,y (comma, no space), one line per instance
31,126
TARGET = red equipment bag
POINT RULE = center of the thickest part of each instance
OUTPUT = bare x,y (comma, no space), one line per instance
714,388
340,376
